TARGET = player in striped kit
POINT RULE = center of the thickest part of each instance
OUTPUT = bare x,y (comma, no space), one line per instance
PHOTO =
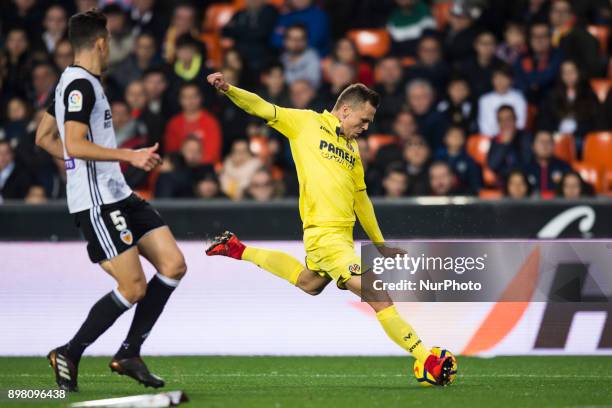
118,225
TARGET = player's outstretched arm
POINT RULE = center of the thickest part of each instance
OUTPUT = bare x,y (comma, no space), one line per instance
79,147
249,102
47,137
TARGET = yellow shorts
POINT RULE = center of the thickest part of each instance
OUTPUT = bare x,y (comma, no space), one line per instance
330,252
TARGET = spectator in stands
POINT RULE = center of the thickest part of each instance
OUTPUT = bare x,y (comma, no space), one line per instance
454,154
39,163
544,171
430,64
274,89
17,118
300,61
572,186
62,55
15,180
126,128
121,37
238,169
606,112
302,95
133,67
85,5
184,21
346,52
407,23
372,176
417,156
190,66
156,87
145,18
516,185
502,94
395,182
44,79
575,41
406,131
17,64
207,186
572,106
341,76
308,14
250,30
511,148
420,98
442,180
245,77
460,34
262,187
55,27
22,13
459,108
152,124
36,195
390,88
478,69
514,43
537,11
181,171
233,120
194,120
536,70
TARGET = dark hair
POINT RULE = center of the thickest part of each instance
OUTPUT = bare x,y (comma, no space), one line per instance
187,40
157,69
113,9
85,28
271,66
506,107
297,26
358,93
395,167
523,176
586,189
505,70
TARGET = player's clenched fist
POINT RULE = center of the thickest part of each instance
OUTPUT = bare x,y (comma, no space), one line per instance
146,158
218,81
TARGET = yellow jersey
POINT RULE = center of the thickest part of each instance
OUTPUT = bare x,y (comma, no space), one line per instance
328,166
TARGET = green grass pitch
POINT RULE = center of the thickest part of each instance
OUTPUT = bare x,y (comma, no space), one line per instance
335,381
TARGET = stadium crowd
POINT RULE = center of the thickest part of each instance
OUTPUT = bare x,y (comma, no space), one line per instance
478,97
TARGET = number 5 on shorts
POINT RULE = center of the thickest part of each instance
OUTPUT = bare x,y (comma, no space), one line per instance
118,220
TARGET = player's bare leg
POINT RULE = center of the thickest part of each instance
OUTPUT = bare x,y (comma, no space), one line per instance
400,331
278,263
127,271
158,247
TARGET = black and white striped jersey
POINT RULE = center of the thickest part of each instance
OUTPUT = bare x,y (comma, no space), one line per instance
79,96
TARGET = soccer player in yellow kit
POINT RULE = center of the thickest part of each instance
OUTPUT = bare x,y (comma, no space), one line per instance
332,192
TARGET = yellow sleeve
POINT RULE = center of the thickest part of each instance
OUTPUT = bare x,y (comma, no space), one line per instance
287,121
365,213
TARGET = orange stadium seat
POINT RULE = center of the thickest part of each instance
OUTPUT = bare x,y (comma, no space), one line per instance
591,174
214,49
565,147
478,147
373,43
601,87
376,141
598,150
490,194
218,15
441,13
601,33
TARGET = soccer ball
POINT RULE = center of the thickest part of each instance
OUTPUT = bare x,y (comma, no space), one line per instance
426,379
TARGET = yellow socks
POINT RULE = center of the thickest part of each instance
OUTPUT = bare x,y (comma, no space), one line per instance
402,333
279,263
